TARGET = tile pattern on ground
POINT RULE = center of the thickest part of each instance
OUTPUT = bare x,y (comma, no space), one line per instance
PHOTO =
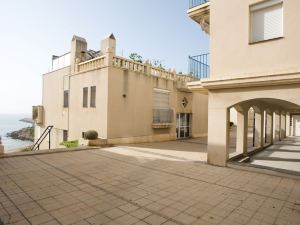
99,187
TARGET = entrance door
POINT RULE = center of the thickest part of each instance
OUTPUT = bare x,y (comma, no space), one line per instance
297,125
183,125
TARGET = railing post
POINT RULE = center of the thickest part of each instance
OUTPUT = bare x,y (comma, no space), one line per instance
49,139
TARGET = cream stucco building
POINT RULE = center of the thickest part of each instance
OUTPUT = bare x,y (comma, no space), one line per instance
123,100
254,65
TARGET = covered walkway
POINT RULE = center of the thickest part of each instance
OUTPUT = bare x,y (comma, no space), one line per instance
284,155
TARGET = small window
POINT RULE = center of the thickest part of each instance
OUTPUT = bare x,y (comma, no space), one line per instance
83,135
93,97
85,97
66,99
65,135
266,20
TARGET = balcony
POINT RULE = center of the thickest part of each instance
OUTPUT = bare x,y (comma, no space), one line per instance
194,3
162,118
199,66
199,12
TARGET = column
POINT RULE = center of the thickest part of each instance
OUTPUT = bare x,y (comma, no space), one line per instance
218,136
242,132
287,125
276,127
283,127
259,129
270,125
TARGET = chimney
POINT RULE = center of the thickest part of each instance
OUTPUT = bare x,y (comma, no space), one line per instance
78,51
109,44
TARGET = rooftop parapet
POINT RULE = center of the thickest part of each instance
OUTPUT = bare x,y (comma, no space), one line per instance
145,68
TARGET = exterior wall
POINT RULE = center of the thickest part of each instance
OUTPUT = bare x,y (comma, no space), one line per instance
116,118
199,115
55,114
233,56
130,118
84,119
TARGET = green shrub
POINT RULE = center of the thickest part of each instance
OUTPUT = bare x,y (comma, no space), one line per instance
91,135
71,144
27,149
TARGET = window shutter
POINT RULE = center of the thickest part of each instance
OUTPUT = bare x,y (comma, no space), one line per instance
85,97
267,22
93,97
160,100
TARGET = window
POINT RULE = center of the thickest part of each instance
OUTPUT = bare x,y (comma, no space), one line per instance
65,135
266,20
160,99
93,97
161,109
66,99
85,97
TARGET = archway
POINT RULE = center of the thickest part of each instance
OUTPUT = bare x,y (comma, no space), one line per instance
259,122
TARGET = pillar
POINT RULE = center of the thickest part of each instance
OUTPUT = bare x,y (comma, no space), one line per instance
259,129
218,136
242,132
287,125
282,126
276,127
270,127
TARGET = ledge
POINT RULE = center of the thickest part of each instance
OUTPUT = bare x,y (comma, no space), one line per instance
256,81
161,125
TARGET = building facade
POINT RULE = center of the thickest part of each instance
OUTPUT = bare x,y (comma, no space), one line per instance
123,100
254,65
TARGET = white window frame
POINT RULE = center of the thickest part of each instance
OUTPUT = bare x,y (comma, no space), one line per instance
259,7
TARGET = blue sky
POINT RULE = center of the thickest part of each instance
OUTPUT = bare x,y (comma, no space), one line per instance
33,30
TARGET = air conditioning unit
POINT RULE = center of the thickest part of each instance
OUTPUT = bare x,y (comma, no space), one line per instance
38,114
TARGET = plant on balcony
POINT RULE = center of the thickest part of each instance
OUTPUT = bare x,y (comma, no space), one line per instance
91,135
136,57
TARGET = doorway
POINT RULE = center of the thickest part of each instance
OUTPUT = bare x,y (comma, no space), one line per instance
183,125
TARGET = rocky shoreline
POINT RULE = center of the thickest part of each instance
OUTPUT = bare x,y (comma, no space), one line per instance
24,134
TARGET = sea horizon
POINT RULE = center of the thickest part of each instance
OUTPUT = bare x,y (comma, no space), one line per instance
10,122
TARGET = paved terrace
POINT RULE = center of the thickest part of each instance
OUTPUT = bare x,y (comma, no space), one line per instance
102,187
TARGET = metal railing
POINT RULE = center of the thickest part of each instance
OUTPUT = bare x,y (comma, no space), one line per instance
199,66
162,115
194,3
47,132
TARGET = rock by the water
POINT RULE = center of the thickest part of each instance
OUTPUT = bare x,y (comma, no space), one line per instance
27,120
23,134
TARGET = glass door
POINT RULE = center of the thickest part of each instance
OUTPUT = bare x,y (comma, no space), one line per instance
183,125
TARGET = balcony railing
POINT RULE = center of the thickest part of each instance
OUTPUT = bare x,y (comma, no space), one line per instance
194,3
199,66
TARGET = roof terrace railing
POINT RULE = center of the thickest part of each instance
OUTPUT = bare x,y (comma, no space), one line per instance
194,3
199,66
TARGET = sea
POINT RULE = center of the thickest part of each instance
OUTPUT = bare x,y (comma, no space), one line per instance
9,123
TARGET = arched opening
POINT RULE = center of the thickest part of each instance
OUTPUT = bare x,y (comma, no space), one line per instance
257,123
